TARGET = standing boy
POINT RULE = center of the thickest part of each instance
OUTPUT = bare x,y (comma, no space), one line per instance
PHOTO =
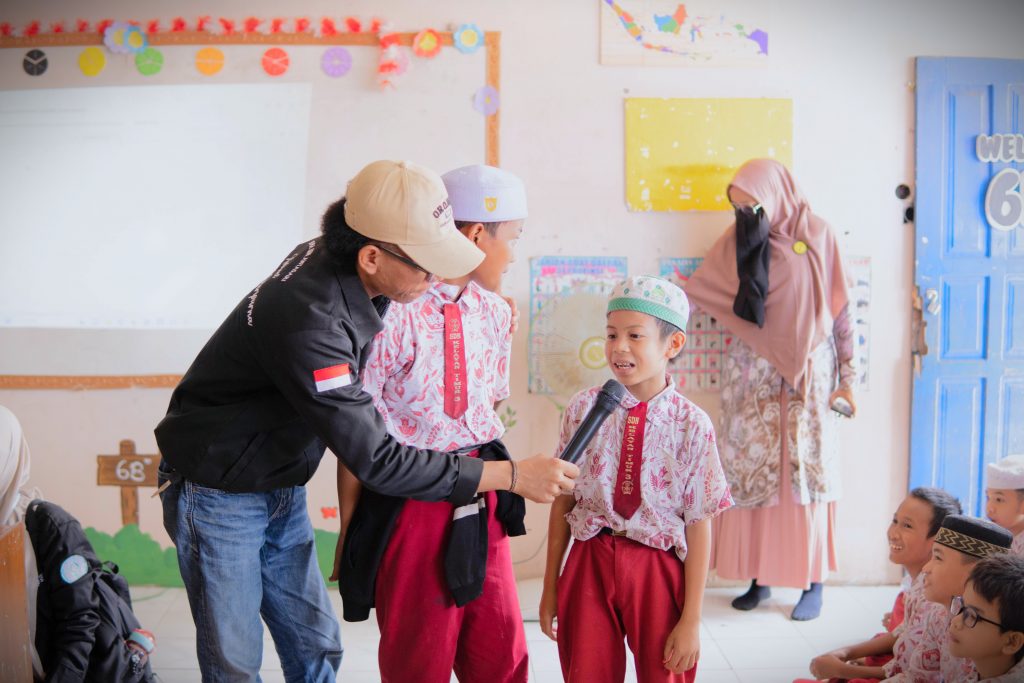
649,485
988,626
1004,497
444,588
960,543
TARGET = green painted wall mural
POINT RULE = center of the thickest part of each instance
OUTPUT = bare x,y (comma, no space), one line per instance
142,561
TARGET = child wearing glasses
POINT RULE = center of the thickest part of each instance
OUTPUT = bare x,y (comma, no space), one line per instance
1004,497
960,543
441,577
911,534
988,621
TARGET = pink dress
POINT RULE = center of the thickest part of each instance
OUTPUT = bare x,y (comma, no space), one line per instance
780,453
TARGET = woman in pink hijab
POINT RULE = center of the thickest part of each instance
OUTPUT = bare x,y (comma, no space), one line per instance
775,280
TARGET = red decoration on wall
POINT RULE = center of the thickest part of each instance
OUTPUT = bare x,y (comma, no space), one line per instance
301,25
276,25
329,513
153,26
82,26
177,25
57,27
375,25
228,25
353,25
202,22
251,24
32,29
6,29
327,27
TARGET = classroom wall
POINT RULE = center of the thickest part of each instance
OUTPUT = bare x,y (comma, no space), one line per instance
848,70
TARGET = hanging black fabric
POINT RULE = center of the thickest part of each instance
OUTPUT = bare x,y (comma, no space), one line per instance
753,254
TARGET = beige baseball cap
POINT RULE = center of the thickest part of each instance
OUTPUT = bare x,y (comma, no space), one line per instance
407,204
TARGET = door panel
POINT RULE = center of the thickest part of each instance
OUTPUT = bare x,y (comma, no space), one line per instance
968,405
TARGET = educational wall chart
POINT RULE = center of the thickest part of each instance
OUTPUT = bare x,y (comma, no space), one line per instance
858,271
568,300
681,153
671,33
699,366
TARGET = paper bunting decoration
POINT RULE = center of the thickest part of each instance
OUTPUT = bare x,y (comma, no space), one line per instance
486,100
426,43
324,26
336,62
91,61
275,61
209,61
393,60
124,38
149,62
468,38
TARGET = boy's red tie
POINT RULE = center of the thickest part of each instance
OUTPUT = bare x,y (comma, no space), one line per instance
454,363
627,486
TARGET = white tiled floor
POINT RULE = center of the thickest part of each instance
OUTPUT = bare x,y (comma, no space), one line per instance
763,646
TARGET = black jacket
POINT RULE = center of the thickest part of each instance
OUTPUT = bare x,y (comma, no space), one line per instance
83,609
248,416
370,531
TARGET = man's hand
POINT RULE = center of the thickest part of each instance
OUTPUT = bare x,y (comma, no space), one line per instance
543,478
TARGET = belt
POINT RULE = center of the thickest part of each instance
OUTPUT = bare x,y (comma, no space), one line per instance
611,532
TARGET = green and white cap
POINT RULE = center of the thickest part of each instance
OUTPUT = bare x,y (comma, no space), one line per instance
653,296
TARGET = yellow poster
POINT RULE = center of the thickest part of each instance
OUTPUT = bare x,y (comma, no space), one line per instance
682,153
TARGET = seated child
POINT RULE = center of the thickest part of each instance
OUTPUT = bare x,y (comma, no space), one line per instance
988,626
910,535
1004,497
649,485
960,543
436,371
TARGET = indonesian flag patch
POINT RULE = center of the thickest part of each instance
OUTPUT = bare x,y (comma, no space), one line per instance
332,377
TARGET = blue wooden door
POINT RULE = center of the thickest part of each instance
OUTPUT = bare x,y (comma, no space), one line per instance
968,405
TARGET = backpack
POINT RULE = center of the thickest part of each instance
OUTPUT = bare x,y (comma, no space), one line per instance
84,618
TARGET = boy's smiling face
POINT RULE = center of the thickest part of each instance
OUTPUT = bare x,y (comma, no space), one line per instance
909,542
1005,507
637,354
945,574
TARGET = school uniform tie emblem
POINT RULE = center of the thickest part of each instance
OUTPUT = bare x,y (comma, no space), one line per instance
627,486
454,363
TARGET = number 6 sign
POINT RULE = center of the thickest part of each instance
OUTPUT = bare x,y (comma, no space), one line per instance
1004,206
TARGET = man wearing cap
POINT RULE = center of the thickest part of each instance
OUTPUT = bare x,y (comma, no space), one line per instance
274,385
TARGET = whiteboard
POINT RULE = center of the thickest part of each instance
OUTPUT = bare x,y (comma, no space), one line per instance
146,207
136,211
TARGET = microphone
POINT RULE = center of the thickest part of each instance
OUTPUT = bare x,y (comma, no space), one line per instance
608,399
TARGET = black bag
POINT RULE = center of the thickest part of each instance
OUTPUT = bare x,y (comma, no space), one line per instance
84,614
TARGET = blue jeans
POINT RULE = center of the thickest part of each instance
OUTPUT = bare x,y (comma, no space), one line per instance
243,555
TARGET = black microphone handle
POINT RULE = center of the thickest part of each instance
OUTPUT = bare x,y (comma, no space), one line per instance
607,400
581,439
